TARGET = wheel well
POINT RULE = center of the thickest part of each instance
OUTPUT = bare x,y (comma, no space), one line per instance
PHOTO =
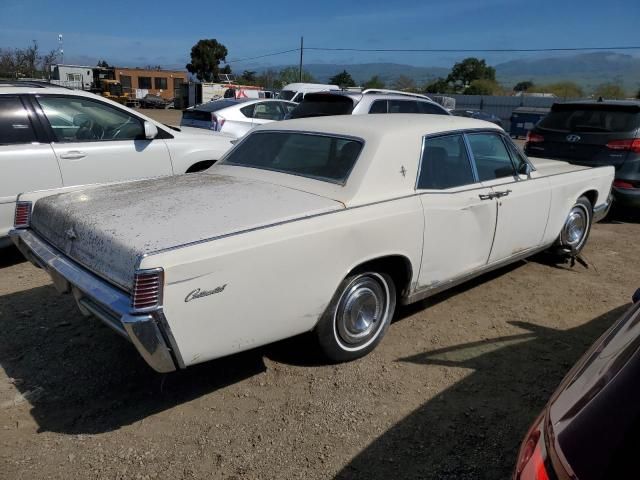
397,267
592,195
199,166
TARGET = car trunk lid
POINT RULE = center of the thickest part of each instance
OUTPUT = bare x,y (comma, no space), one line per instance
107,228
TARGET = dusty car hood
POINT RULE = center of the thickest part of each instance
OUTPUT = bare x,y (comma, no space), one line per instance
106,228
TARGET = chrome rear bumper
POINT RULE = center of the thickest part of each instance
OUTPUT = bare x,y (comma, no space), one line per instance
96,297
601,211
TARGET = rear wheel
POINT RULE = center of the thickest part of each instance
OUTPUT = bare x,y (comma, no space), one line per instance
358,316
576,228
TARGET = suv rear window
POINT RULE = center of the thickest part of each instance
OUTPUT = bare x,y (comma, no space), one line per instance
321,105
591,118
322,157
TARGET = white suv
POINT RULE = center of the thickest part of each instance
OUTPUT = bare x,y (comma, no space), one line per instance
53,137
365,102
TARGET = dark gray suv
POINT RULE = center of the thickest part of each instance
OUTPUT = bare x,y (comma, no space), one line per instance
594,133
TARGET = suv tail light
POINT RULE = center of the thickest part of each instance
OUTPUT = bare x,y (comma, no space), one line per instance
147,289
534,137
22,218
630,145
625,185
216,122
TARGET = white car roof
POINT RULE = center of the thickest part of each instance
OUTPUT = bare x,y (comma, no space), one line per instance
370,127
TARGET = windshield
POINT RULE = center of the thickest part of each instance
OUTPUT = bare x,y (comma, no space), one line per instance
590,119
286,95
321,157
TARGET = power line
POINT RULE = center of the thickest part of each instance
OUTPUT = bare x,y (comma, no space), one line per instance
470,50
238,60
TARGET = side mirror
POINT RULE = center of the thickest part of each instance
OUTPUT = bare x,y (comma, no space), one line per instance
150,131
525,169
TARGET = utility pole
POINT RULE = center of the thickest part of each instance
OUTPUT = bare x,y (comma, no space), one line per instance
301,50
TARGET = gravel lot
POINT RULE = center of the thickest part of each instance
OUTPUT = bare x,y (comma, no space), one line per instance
447,395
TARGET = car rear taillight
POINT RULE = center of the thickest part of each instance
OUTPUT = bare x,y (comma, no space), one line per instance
532,456
22,218
534,137
624,185
216,122
147,289
629,145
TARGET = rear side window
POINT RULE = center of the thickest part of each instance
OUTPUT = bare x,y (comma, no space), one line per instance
591,119
430,108
321,157
315,105
248,110
403,106
15,125
379,106
445,164
491,156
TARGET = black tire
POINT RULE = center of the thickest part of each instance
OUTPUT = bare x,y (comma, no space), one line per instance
575,231
357,317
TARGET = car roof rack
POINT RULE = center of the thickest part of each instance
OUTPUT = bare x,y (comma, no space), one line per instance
395,92
31,83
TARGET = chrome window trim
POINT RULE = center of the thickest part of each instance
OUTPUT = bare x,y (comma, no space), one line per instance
500,136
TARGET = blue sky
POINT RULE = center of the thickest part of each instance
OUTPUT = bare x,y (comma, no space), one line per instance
162,32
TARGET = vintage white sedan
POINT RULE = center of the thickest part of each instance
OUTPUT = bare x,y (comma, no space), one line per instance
321,225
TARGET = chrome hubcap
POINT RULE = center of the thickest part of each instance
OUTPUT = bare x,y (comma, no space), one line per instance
575,228
361,310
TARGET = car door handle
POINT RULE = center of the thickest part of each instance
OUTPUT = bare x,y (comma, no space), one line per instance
488,196
504,193
73,155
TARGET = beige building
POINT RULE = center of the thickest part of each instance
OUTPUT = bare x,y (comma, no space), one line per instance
164,83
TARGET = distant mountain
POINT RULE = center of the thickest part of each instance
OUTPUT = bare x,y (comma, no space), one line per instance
588,70
361,72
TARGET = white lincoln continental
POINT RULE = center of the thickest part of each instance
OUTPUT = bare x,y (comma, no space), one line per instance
320,225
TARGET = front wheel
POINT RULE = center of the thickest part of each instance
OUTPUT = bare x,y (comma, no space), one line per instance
576,228
358,316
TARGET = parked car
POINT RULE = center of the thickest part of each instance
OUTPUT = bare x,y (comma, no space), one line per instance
477,114
589,430
367,101
295,92
236,116
594,133
57,137
320,224
154,101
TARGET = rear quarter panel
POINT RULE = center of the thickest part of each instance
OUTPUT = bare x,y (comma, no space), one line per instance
278,280
566,188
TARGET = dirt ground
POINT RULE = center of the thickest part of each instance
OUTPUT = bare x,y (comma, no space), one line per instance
447,395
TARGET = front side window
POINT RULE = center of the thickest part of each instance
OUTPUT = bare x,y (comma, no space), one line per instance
160,83
445,163
15,125
144,82
287,107
491,156
321,157
75,119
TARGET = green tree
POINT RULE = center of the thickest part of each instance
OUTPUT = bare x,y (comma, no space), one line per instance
267,79
562,89
609,90
404,83
292,75
483,86
343,80
373,82
439,85
103,64
206,56
248,77
523,86
465,72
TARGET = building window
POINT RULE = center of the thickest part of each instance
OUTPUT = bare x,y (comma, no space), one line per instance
144,82
177,83
125,81
74,77
160,83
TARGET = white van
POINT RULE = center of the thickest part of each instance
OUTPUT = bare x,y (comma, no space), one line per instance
295,92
